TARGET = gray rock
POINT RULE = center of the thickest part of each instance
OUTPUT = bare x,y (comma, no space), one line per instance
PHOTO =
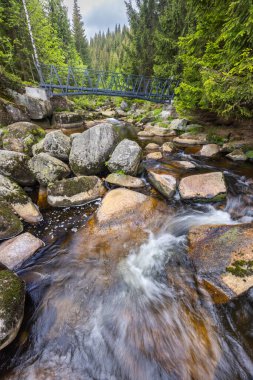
10,224
21,136
37,108
12,302
48,169
92,149
237,155
164,115
124,105
124,180
15,166
13,194
179,124
75,191
126,157
68,118
38,148
14,252
73,136
166,184
57,145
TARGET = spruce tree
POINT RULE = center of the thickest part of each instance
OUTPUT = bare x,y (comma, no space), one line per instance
81,42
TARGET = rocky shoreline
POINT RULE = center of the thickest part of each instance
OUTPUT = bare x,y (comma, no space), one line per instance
99,162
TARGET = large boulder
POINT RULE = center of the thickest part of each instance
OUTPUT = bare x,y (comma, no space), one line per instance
208,187
224,252
37,108
69,119
165,183
75,191
48,169
126,157
14,252
12,302
92,149
210,150
11,113
124,180
13,194
122,222
10,224
15,166
57,144
21,136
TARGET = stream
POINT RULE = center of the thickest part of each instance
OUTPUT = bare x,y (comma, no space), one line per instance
142,316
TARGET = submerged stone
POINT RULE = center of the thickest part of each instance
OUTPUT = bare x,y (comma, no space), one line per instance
75,191
12,301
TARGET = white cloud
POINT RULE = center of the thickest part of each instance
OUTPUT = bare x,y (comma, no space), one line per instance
100,14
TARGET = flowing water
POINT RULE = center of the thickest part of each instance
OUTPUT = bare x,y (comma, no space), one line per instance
144,316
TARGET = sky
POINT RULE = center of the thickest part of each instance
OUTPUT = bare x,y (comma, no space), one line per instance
100,14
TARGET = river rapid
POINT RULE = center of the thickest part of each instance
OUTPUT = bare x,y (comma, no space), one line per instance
143,316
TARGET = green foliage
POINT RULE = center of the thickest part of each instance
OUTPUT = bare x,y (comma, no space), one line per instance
213,138
80,39
249,154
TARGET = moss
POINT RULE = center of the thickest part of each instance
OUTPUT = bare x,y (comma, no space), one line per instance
120,172
241,268
213,138
249,154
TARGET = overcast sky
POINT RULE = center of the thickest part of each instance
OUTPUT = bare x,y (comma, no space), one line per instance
100,14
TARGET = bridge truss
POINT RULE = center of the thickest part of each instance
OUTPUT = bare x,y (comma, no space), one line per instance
65,81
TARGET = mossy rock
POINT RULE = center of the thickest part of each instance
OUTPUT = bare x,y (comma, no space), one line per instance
12,300
10,224
15,166
21,137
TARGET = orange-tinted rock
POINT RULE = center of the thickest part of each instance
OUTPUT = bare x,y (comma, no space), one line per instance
224,251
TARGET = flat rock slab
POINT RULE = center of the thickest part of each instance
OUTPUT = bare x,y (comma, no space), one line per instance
124,180
209,187
14,252
154,156
225,251
75,191
189,141
183,164
209,150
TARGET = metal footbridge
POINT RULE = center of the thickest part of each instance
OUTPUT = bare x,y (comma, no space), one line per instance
65,81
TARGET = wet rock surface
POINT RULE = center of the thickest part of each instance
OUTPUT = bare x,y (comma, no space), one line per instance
14,252
225,251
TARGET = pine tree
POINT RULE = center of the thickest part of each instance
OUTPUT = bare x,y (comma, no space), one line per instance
81,42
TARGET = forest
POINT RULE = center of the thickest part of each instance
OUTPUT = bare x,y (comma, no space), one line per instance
206,45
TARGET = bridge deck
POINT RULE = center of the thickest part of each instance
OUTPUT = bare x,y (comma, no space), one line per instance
65,81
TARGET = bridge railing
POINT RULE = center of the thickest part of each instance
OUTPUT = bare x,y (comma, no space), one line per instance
77,81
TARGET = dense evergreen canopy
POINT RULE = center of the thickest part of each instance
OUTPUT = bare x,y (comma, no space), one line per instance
206,44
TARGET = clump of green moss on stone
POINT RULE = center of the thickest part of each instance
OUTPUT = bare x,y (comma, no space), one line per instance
241,268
